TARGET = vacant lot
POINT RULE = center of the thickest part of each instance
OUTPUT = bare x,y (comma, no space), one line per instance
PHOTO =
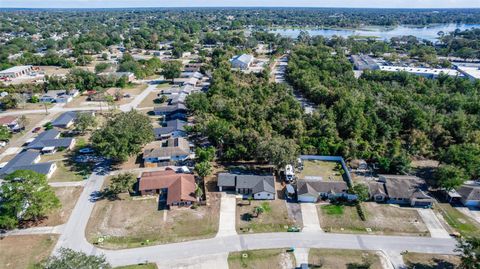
68,198
23,251
268,258
381,219
343,258
314,169
273,219
131,223
457,220
430,261
150,100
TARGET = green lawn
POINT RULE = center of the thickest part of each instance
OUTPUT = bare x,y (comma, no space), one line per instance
324,169
333,209
267,258
66,173
457,220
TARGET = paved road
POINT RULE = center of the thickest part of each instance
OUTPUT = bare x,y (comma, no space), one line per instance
433,224
310,218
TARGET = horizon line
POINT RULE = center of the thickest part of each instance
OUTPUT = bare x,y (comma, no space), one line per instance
213,7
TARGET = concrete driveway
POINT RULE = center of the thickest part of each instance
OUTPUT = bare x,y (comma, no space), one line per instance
310,218
433,224
227,215
471,212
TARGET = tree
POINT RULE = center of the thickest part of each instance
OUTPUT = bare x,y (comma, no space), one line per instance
198,192
203,169
85,121
100,67
361,190
469,251
5,134
123,135
122,183
68,258
205,154
171,70
278,151
450,177
258,210
25,195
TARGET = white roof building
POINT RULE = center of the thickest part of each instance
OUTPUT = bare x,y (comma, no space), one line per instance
242,61
471,72
422,71
16,71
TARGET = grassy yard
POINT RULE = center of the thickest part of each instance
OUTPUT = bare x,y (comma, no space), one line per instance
23,251
139,266
149,101
430,261
324,169
66,173
268,258
342,258
274,219
131,223
457,220
381,219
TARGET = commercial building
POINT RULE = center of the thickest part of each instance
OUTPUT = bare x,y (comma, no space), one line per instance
16,71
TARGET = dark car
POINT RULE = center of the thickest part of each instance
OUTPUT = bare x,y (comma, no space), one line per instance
36,130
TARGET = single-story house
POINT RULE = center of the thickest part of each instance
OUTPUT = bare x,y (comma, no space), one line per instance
470,195
51,139
59,96
260,187
173,128
28,160
243,61
310,191
171,111
377,191
16,71
172,150
178,189
177,99
406,190
11,122
65,120
192,67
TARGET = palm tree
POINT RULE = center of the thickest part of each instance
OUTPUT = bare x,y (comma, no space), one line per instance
198,192
258,210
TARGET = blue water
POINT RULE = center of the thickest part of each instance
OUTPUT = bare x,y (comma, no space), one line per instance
424,32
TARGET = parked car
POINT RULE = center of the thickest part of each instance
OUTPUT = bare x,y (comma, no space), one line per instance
3,144
86,151
37,129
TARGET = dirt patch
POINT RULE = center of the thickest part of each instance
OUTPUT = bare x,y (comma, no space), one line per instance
381,219
425,261
149,101
68,198
274,219
134,222
267,258
23,251
343,258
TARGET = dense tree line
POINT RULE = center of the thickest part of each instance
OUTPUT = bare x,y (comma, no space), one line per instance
386,117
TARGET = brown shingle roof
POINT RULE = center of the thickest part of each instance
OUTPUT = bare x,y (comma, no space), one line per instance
181,187
7,119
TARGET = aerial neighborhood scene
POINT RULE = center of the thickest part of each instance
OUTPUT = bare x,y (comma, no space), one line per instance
222,134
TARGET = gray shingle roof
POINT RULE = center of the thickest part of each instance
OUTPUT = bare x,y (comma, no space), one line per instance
257,183
407,187
25,161
171,126
64,119
314,187
470,192
50,138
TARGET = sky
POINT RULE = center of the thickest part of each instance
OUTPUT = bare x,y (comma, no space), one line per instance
243,3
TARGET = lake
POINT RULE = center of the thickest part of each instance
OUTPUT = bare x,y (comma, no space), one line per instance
424,32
